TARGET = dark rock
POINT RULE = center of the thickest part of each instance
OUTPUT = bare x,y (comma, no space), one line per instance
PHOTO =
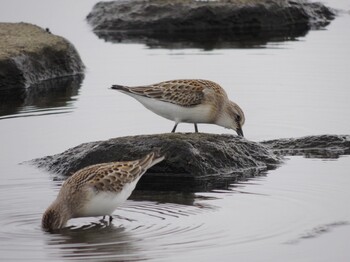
192,160
325,146
220,23
29,55
195,161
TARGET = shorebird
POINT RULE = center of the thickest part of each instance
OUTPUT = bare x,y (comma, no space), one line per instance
96,190
190,101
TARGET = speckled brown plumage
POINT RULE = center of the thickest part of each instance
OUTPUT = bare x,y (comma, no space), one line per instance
108,176
180,92
190,101
97,190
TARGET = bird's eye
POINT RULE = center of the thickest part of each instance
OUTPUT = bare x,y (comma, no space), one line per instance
238,118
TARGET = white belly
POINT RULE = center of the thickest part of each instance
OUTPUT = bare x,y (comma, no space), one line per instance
104,203
194,114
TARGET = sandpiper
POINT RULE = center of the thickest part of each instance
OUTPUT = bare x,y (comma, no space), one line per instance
190,101
96,190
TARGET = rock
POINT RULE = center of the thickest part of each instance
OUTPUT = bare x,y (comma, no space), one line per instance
30,54
325,146
195,161
222,22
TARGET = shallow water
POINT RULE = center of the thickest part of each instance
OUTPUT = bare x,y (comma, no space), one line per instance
298,212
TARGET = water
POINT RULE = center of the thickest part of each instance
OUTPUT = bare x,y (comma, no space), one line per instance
298,212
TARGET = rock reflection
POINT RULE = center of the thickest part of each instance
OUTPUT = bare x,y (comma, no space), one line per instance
43,97
174,197
182,198
203,40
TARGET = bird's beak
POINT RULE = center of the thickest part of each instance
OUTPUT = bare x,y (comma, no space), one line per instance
240,132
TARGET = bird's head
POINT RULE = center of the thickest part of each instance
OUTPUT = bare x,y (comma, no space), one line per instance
54,218
232,118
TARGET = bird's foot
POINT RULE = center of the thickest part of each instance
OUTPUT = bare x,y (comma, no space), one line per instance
104,221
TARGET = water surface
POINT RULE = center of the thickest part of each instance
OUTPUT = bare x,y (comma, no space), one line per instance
287,88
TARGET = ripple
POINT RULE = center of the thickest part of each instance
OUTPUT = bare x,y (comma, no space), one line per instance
135,239
55,96
137,227
29,112
318,231
131,235
158,225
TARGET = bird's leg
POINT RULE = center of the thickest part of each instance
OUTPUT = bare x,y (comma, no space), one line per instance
173,131
195,127
103,221
110,219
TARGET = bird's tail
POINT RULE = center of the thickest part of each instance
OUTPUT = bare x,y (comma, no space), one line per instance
152,159
119,87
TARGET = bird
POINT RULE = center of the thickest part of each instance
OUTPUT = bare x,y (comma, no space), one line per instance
189,101
97,190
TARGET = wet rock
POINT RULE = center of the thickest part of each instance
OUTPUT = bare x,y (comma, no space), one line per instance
195,161
30,54
192,160
220,23
325,146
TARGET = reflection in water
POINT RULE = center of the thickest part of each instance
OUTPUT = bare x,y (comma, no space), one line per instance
164,197
300,199
129,238
53,96
203,40
96,241
197,226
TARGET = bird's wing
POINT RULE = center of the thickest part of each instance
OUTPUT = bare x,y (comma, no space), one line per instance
82,176
179,92
105,177
112,176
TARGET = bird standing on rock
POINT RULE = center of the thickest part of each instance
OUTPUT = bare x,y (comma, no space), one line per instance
96,190
189,101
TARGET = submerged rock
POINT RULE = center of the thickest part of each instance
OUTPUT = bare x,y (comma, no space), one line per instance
224,22
30,54
324,146
194,161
